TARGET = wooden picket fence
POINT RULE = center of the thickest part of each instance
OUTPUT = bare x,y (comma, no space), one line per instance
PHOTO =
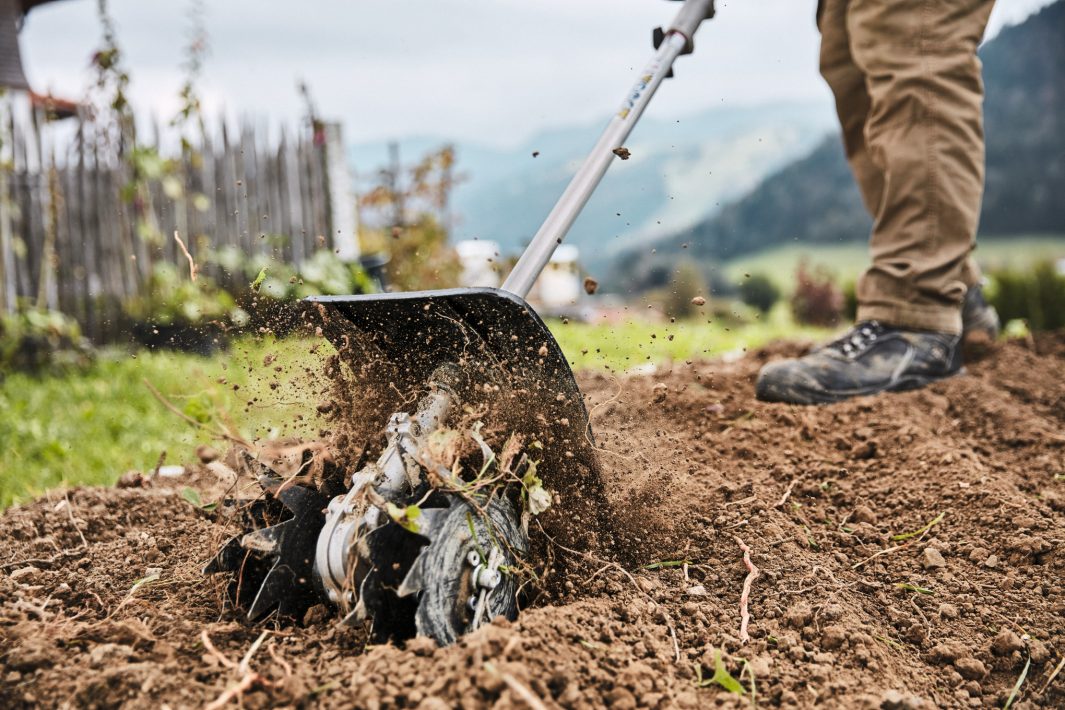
69,236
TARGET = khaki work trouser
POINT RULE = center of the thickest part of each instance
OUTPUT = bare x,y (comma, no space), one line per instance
909,96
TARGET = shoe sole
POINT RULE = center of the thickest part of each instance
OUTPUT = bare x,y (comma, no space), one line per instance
767,393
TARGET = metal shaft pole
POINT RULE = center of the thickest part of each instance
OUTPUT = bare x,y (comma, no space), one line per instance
565,212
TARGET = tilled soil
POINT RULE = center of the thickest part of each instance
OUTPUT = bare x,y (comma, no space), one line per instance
859,601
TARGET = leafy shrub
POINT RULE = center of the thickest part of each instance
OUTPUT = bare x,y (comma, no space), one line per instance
1036,296
422,258
323,274
817,299
35,340
759,292
171,299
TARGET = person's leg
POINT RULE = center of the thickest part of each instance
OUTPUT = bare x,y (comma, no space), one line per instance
908,93
924,133
852,99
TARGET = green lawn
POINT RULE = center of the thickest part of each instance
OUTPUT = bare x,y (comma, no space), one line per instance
623,347
91,427
846,261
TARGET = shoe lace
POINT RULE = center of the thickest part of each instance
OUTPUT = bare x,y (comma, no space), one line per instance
858,339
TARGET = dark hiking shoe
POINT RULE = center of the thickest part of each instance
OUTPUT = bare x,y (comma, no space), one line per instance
978,317
869,358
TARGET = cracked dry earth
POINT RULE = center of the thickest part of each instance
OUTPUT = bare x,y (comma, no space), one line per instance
860,603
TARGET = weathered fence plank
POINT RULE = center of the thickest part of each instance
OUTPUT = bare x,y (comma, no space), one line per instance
69,219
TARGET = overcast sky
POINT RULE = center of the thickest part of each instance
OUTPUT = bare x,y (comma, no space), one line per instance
494,71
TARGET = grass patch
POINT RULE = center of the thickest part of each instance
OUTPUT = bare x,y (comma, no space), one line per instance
90,427
623,346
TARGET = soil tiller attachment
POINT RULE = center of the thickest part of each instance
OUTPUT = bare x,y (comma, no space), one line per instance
486,437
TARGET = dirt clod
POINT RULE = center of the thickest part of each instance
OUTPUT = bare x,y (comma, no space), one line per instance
1006,642
970,668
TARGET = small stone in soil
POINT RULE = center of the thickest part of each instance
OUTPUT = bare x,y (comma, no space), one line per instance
933,559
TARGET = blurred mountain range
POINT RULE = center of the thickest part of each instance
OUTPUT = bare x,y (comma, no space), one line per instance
814,199
681,171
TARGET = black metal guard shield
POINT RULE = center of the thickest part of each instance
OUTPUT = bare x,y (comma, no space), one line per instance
397,340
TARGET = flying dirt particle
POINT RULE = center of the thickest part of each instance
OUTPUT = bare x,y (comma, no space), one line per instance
206,454
698,301
658,392
396,231
269,358
131,479
590,285
622,153
536,154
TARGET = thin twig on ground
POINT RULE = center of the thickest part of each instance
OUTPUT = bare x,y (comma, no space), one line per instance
244,662
787,492
872,557
235,691
70,514
213,650
185,250
673,636
1057,669
248,677
752,574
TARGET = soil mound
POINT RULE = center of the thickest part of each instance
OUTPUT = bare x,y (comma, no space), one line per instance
910,550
